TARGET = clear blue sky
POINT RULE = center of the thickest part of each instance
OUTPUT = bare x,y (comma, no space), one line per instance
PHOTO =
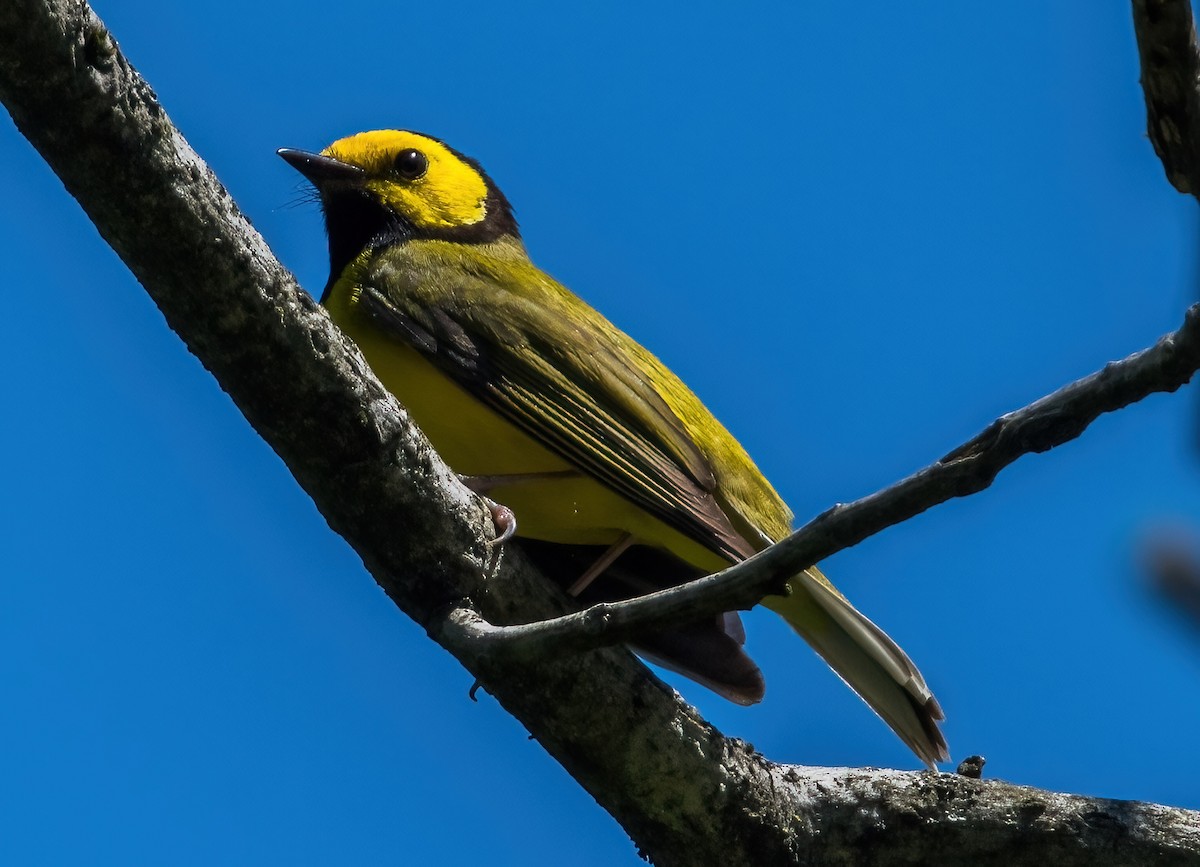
859,242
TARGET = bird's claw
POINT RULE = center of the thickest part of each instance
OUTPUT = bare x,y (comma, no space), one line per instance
505,521
502,516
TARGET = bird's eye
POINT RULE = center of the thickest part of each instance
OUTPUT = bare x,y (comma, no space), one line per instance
411,164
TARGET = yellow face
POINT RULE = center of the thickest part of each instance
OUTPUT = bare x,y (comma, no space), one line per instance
417,177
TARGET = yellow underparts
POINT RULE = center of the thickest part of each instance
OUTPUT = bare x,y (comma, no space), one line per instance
476,441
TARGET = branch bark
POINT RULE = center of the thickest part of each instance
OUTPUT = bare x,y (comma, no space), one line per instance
1166,39
684,793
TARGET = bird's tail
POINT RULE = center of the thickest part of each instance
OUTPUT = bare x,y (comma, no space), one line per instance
868,661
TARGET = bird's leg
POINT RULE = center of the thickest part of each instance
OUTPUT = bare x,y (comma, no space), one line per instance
502,516
615,550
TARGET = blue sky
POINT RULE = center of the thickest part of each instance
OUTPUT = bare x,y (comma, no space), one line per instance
859,242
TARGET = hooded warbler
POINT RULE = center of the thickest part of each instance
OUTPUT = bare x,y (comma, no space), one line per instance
612,466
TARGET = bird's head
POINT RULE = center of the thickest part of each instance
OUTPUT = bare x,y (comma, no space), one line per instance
389,186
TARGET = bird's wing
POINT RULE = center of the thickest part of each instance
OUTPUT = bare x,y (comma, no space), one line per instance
575,387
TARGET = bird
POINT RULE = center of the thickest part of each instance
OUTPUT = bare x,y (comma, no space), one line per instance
616,474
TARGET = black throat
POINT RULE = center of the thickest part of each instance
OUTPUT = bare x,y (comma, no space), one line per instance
354,222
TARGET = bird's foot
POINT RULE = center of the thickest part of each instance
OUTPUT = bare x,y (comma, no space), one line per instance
504,519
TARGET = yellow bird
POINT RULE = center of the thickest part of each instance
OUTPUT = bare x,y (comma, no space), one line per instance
614,469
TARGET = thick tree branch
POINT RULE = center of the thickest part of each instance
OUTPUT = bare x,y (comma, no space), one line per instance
683,792
970,468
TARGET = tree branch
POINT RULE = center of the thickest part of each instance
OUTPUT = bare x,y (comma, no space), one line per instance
686,794
1166,38
1051,421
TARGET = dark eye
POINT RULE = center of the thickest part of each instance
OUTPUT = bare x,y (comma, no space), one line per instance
411,164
